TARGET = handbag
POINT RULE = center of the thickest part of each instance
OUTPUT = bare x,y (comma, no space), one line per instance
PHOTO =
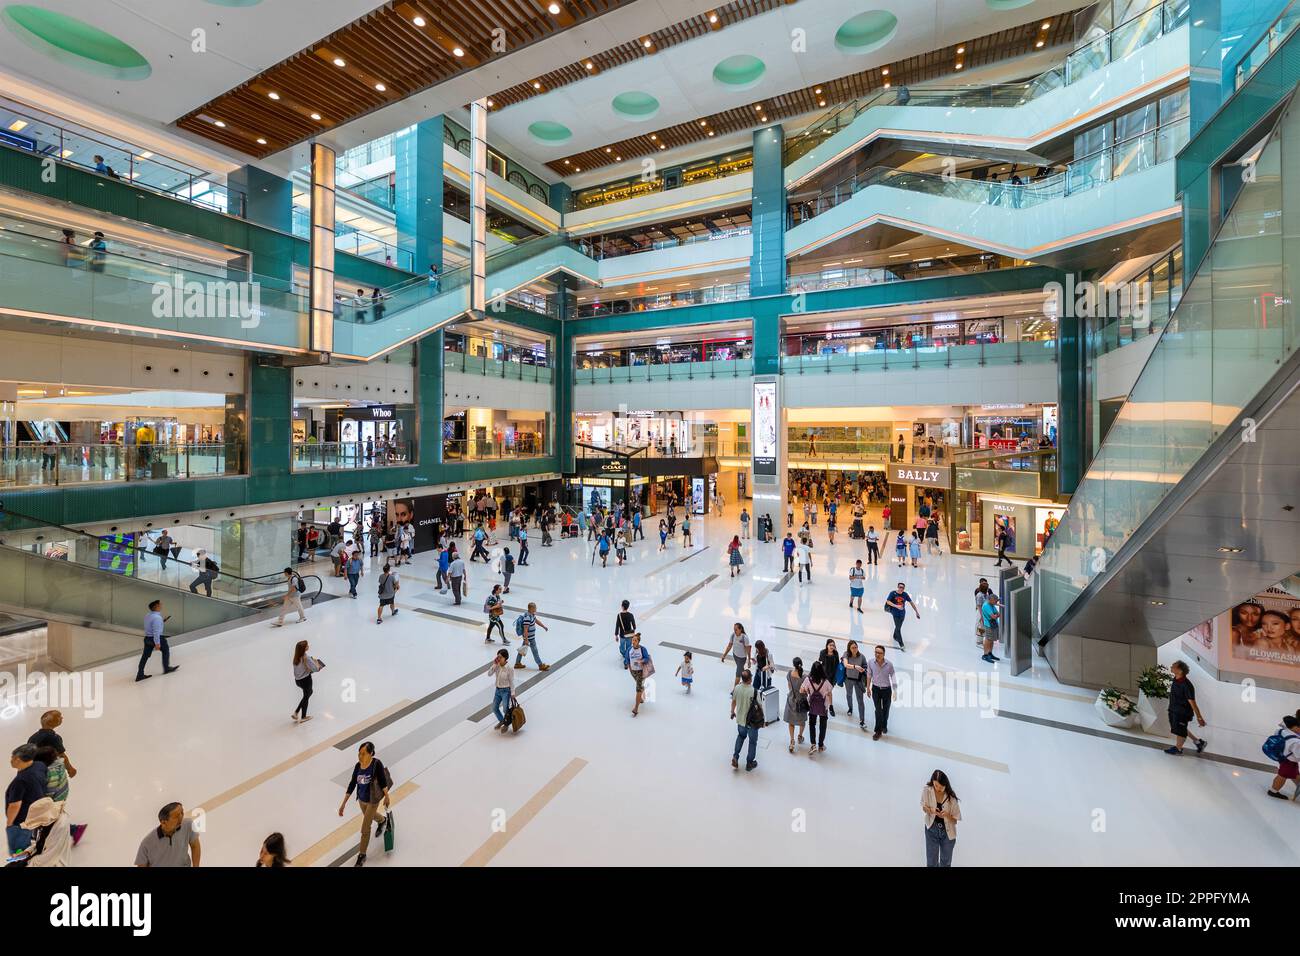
516,715
647,669
176,552
839,674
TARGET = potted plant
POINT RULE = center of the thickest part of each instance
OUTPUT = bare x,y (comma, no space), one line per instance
1153,696
1115,708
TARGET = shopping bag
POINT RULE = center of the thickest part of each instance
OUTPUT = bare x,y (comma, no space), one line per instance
388,832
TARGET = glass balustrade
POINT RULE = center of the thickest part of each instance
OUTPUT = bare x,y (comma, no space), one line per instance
33,464
463,450
1272,39
1232,327
495,368
341,455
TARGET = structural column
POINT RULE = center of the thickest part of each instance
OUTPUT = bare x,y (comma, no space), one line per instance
768,446
478,207
320,324
767,262
418,193
1072,389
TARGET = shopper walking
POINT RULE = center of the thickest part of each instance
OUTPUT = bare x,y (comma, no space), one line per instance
830,661
456,575
932,535
900,548
27,787
914,548
1003,540
880,673
818,689
796,702
857,584
523,546
787,552
764,666
494,607
744,522
526,626
1182,708
355,568
208,571
742,705
304,665
292,600
942,810
503,692
663,534
155,640
624,628
855,672
389,584
735,560
896,604
370,782
803,557
640,666
1287,753
173,843
738,644
873,545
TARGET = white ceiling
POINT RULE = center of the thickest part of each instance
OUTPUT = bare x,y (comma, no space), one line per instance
681,76
241,42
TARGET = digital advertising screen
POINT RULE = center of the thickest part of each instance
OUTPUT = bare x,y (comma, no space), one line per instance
764,437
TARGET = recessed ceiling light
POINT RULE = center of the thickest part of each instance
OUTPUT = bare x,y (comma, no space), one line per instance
554,9
662,146
762,119
710,132
608,149
704,122
273,95
818,91
821,102
66,153
653,136
1047,25
959,66
1158,603
339,61
315,116
381,88
566,162
489,102
1231,550
457,51
536,85
18,124
618,159
590,65
713,18
577,169
758,108
647,42
261,141
961,49
219,123
886,84
418,21
885,71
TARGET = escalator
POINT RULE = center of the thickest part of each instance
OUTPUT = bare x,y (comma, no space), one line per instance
1190,504
106,582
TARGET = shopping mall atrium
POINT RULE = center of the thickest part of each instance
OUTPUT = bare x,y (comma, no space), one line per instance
929,359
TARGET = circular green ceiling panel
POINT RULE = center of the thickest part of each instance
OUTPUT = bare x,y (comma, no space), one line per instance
866,32
635,105
739,72
549,133
75,43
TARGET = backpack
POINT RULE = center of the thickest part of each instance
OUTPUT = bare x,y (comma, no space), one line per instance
519,625
816,702
302,585
754,717
510,564
1275,747
487,604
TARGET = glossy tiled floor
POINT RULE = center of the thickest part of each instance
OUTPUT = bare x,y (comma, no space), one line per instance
585,783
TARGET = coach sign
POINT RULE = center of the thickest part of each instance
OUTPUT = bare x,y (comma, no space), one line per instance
905,474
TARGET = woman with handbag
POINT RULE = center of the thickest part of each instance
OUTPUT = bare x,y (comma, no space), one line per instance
640,667
829,658
796,703
818,688
304,665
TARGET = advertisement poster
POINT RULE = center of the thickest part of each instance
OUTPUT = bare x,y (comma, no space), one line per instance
697,496
117,554
1266,630
765,434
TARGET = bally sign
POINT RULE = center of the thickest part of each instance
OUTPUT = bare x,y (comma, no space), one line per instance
901,474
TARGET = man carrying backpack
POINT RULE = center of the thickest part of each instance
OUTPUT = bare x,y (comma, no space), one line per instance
748,715
526,626
292,597
208,571
1284,747
494,607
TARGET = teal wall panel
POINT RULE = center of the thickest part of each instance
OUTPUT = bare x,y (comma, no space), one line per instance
418,156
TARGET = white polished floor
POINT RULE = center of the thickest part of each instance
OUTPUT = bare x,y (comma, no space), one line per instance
585,783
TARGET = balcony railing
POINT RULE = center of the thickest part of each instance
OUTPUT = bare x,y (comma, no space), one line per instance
667,372
343,455
462,449
1276,35
495,368
33,464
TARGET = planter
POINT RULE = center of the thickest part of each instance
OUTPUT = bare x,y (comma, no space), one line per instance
1153,713
1112,719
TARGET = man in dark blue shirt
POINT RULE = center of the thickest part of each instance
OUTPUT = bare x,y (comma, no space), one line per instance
1182,708
896,604
787,552
27,786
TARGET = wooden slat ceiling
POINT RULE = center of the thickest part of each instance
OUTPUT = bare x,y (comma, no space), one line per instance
981,51
647,45
386,57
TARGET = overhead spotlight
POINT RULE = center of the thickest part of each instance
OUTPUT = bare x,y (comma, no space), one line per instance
566,162
710,132
653,136
381,88
713,18
884,71
762,119
1047,25
704,122
821,102
618,159
608,149
219,123
818,91
1231,550
536,85
590,65
339,61
418,21
577,169
961,49
662,146
553,9
315,116
261,141
758,108
1157,603
647,43
273,95
1038,45
959,65
457,51
489,102
886,84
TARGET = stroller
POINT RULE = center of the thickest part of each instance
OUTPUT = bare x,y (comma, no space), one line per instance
855,529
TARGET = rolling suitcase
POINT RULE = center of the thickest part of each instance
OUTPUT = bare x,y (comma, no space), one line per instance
770,699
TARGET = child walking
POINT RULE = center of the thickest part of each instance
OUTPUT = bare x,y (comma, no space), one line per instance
686,670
